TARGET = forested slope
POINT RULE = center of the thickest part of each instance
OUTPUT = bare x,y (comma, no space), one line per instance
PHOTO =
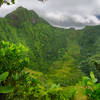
60,53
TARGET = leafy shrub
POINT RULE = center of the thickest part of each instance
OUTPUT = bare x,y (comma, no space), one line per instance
12,63
12,57
4,89
92,88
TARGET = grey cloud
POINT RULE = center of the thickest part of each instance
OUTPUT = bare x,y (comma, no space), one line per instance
64,13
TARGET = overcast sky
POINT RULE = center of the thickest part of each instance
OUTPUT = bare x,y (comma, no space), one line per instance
64,13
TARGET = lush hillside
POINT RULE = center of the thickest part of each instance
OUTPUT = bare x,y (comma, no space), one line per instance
57,56
48,45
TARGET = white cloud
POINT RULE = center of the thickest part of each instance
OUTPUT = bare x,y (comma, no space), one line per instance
86,20
64,13
55,16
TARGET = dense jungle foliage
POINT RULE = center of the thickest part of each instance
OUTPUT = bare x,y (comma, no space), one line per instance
42,62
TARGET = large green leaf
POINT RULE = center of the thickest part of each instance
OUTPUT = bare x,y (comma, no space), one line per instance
4,76
6,89
94,80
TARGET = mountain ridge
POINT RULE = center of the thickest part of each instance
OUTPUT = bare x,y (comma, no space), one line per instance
52,50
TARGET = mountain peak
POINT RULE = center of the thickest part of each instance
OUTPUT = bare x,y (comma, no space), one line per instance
21,15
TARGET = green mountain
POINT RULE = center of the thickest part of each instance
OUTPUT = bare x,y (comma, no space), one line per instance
65,55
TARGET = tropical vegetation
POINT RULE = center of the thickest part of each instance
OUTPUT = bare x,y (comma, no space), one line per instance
42,62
